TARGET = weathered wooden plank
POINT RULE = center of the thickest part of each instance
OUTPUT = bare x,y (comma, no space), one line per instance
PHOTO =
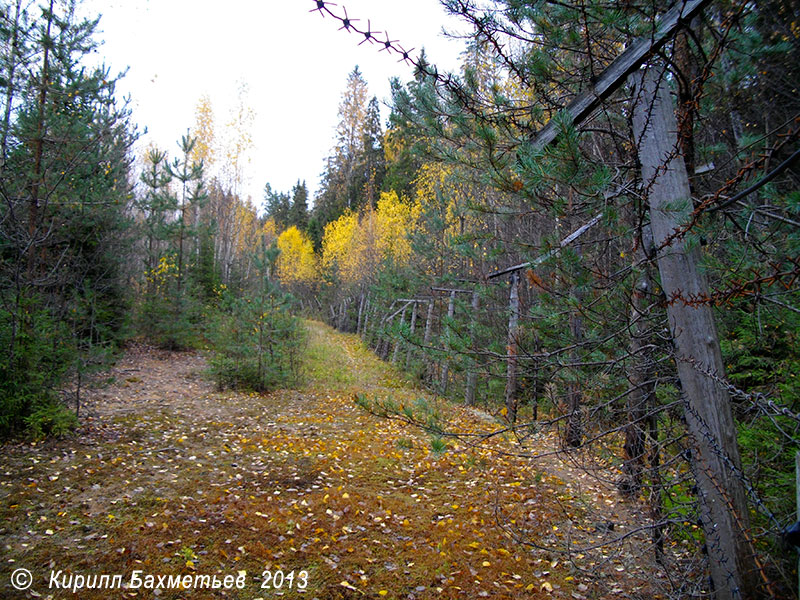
562,244
615,75
451,309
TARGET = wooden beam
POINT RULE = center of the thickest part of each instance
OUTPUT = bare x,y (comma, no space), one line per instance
450,290
615,75
451,311
399,310
562,244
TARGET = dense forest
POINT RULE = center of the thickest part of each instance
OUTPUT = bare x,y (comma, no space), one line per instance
591,231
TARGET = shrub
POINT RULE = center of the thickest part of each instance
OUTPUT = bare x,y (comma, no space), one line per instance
36,357
256,342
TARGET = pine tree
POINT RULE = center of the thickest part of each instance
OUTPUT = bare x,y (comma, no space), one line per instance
155,205
62,217
189,175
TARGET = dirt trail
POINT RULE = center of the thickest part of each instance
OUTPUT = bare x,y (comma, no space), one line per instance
172,477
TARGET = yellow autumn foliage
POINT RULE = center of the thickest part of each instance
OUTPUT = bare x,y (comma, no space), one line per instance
296,262
247,229
337,244
203,132
355,245
269,231
395,221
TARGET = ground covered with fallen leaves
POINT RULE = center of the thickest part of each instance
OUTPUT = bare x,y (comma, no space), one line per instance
300,493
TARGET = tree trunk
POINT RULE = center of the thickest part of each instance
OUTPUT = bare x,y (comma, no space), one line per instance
573,433
640,376
13,53
472,376
686,78
343,315
511,349
33,210
712,431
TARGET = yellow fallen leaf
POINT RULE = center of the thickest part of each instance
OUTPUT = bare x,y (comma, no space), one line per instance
546,586
345,584
382,593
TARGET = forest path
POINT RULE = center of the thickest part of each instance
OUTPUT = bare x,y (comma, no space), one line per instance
172,477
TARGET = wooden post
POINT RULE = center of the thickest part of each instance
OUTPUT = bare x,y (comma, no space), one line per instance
426,340
428,323
365,324
614,76
380,334
715,457
386,342
451,309
511,350
360,313
472,376
398,342
410,352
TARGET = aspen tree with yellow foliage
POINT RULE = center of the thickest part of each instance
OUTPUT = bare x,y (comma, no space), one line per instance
297,264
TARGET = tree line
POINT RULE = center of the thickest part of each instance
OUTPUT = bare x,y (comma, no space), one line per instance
101,244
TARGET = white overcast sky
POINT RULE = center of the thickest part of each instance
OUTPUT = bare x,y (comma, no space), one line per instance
295,64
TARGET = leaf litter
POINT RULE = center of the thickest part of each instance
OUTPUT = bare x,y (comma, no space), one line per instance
170,476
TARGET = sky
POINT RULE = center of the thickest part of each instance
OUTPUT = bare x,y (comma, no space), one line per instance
293,63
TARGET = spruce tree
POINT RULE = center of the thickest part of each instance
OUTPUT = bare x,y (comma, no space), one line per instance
298,212
277,206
